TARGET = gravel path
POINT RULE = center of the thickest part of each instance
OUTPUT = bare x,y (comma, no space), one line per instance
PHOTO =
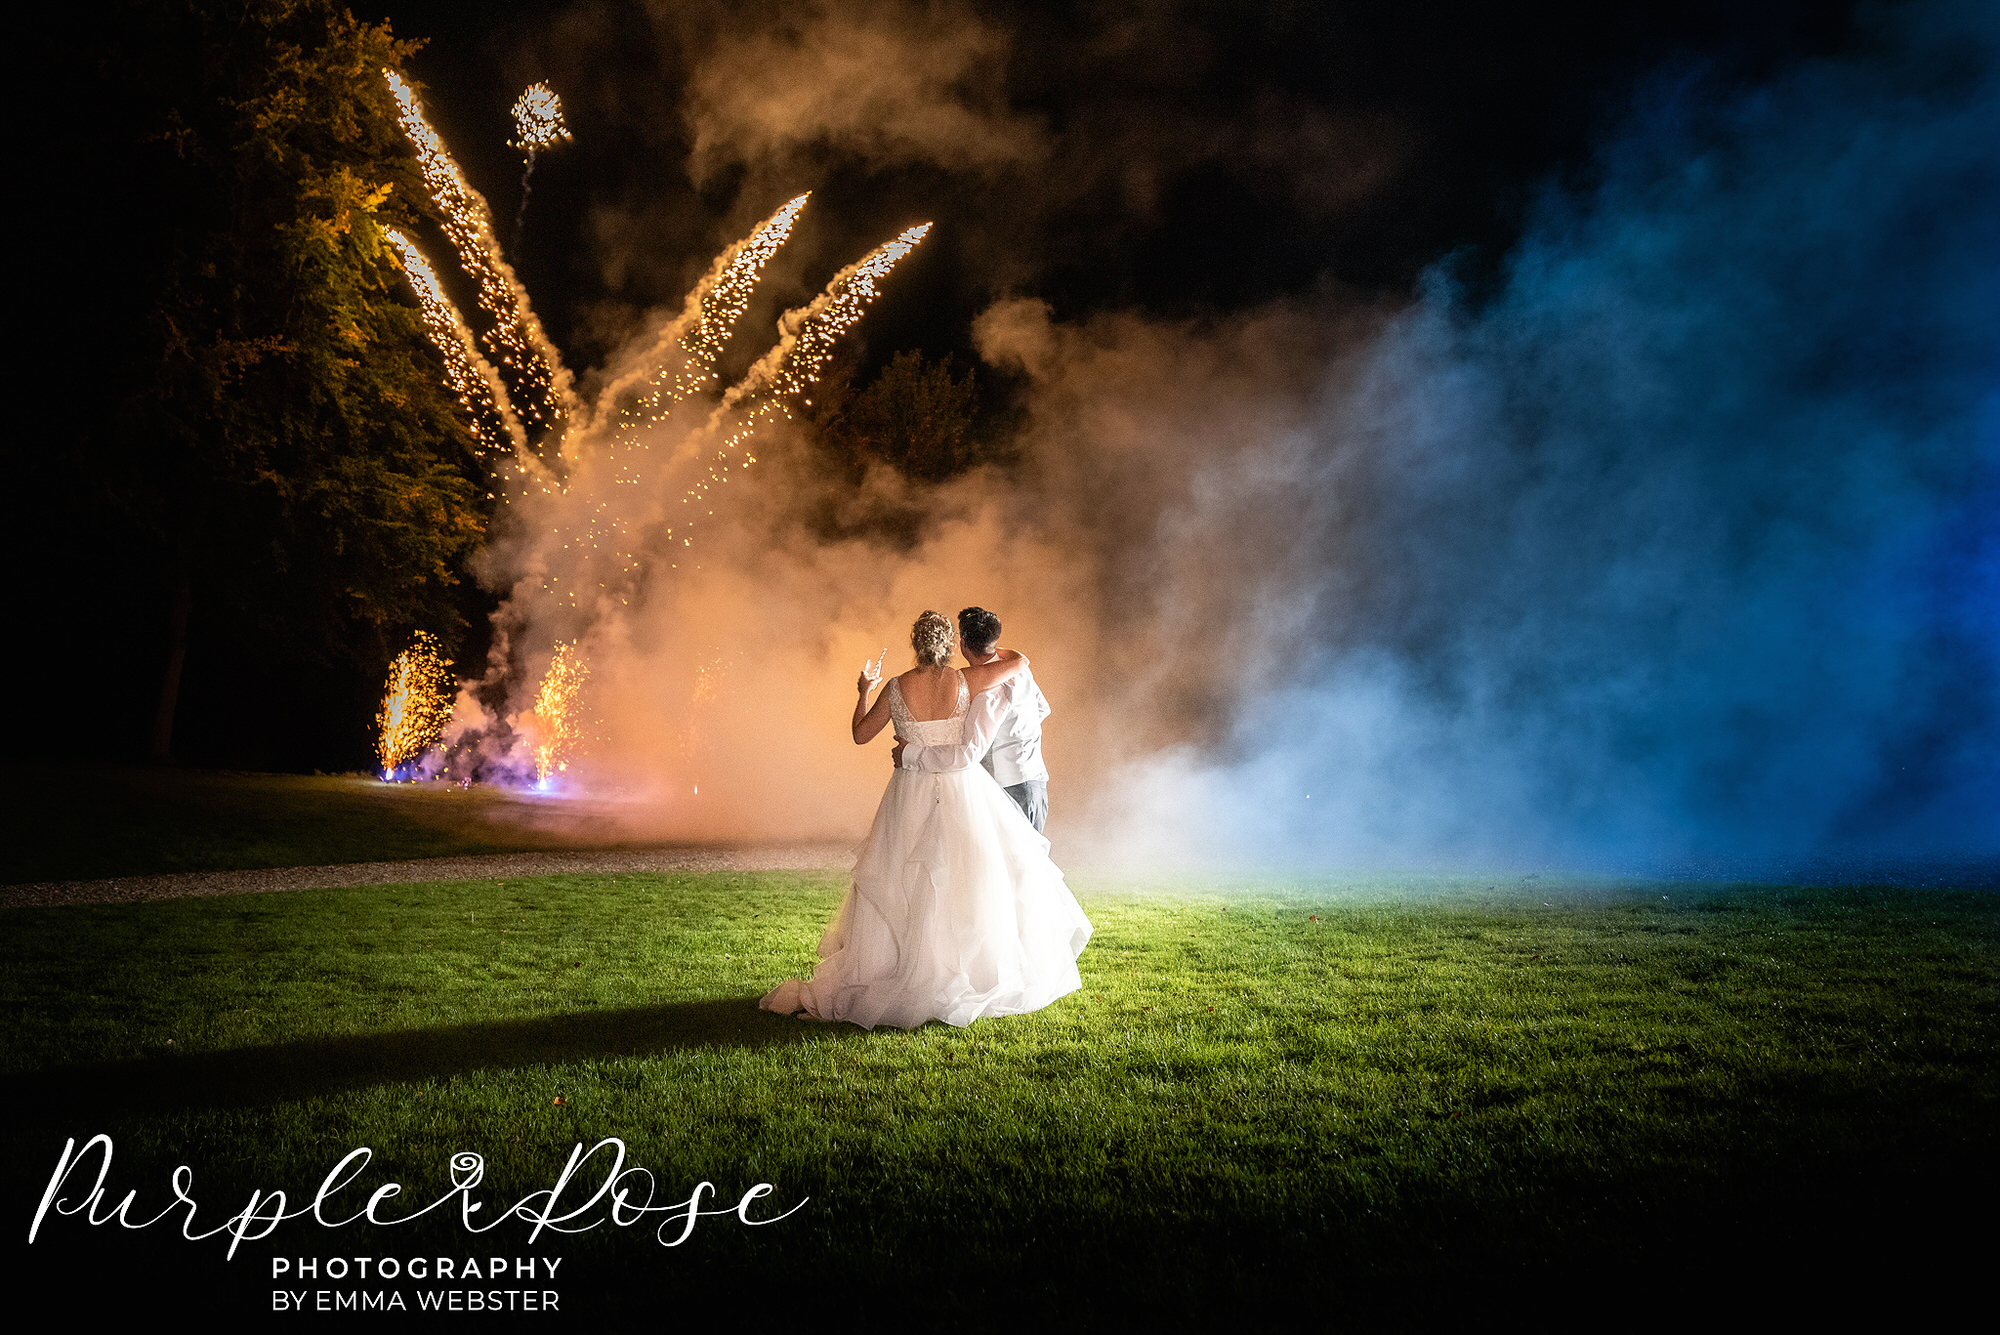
498,866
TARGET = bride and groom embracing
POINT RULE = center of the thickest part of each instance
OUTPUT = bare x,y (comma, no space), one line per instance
956,912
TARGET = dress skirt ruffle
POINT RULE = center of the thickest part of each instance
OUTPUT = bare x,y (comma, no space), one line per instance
955,914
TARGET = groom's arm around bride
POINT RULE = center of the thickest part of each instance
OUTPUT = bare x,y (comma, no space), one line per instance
1018,706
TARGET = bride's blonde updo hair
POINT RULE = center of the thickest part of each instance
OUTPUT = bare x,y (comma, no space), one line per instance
932,638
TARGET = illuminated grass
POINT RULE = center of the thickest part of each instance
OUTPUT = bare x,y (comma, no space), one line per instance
1263,1088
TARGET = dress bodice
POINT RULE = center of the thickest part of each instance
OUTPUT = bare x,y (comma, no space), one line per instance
929,732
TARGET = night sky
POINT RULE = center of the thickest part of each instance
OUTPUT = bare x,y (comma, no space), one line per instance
1184,161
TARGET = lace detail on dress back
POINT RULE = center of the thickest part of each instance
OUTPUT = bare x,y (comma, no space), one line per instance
929,732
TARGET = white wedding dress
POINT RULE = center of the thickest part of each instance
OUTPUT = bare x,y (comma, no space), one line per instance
956,912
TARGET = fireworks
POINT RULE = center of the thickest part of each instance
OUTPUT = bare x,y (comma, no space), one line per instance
538,120
689,344
516,340
795,363
519,385
830,315
556,718
416,704
679,365
471,377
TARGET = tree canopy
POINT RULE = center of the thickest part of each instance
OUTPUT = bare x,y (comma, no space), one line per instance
914,416
878,453
279,451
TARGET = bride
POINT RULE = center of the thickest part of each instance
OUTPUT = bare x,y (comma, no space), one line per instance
956,912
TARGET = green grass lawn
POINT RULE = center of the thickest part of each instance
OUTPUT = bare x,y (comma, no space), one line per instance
1411,1091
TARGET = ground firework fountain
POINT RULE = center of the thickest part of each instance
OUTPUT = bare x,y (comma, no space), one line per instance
554,725
416,705
612,483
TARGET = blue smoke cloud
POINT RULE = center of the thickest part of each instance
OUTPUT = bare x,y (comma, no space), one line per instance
1683,541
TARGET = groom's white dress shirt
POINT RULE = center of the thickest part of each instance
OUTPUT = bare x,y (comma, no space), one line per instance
1011,714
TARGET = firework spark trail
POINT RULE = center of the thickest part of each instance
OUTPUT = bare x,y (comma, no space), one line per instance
806,336
556,721
699,331
471,377
517,341
416,705
679,365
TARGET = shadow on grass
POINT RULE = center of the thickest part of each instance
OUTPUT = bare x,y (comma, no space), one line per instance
279,1072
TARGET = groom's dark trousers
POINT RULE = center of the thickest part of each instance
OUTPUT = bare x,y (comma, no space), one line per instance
1033,799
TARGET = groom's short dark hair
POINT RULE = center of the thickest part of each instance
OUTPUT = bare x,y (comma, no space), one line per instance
978,628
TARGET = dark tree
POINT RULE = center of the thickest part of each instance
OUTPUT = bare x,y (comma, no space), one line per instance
878,453
278,467
914,417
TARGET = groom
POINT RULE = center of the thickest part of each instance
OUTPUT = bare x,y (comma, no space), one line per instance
1015,759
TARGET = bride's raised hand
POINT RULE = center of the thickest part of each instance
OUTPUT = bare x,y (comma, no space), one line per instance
871,672
868,721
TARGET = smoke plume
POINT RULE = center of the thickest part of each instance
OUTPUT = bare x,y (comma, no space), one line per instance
888,82
1678,538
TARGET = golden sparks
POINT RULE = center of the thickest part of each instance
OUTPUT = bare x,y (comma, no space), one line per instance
516,340
538,120
471,377
416,704
793,365
688,345
677,367
518,393
557,719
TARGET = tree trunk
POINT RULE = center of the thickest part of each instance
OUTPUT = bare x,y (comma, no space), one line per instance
170,682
